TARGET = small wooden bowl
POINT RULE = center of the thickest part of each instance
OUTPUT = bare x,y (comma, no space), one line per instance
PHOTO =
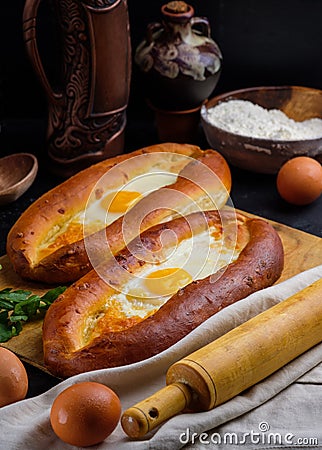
17,173
265,155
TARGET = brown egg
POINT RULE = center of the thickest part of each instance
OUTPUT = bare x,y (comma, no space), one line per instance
13,378
299,180
85,413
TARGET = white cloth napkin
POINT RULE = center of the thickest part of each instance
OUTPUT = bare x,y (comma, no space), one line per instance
285,404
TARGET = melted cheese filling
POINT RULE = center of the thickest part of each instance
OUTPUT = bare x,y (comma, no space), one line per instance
145,292
103,209
114,204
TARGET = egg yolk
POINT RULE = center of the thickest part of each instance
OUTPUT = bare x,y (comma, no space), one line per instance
119,202
73,233
167,281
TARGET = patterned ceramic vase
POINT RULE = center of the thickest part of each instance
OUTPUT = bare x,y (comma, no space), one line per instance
179,60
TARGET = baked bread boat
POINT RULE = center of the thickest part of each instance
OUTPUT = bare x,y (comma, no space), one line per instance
168,280
78,224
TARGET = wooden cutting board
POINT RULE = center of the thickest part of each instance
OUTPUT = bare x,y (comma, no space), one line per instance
302,251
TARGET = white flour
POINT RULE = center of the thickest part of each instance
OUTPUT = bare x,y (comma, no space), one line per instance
247,119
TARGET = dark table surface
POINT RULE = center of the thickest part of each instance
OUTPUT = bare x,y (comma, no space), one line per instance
254,193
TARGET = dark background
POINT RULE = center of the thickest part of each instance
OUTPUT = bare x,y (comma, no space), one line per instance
267,42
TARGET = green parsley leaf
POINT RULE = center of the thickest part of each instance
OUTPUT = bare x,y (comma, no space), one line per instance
18,306
5,332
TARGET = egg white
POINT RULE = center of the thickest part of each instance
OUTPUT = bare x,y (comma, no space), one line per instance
143,184
200,256
95,217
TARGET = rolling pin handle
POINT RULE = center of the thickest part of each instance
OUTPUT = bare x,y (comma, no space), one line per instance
151,412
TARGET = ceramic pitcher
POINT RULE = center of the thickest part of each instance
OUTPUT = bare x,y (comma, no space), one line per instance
87,112
179,60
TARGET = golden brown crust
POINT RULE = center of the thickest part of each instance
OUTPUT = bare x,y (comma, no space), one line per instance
259,265
54,208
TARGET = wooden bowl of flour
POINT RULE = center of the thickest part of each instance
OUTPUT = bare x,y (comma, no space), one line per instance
253,137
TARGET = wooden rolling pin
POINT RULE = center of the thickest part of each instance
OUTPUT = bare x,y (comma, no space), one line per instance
234,362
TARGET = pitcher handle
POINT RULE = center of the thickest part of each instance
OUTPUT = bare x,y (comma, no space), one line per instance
151,29
203,22
29,33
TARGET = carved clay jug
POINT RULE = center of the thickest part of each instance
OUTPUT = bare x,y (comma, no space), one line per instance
87,112
179,60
